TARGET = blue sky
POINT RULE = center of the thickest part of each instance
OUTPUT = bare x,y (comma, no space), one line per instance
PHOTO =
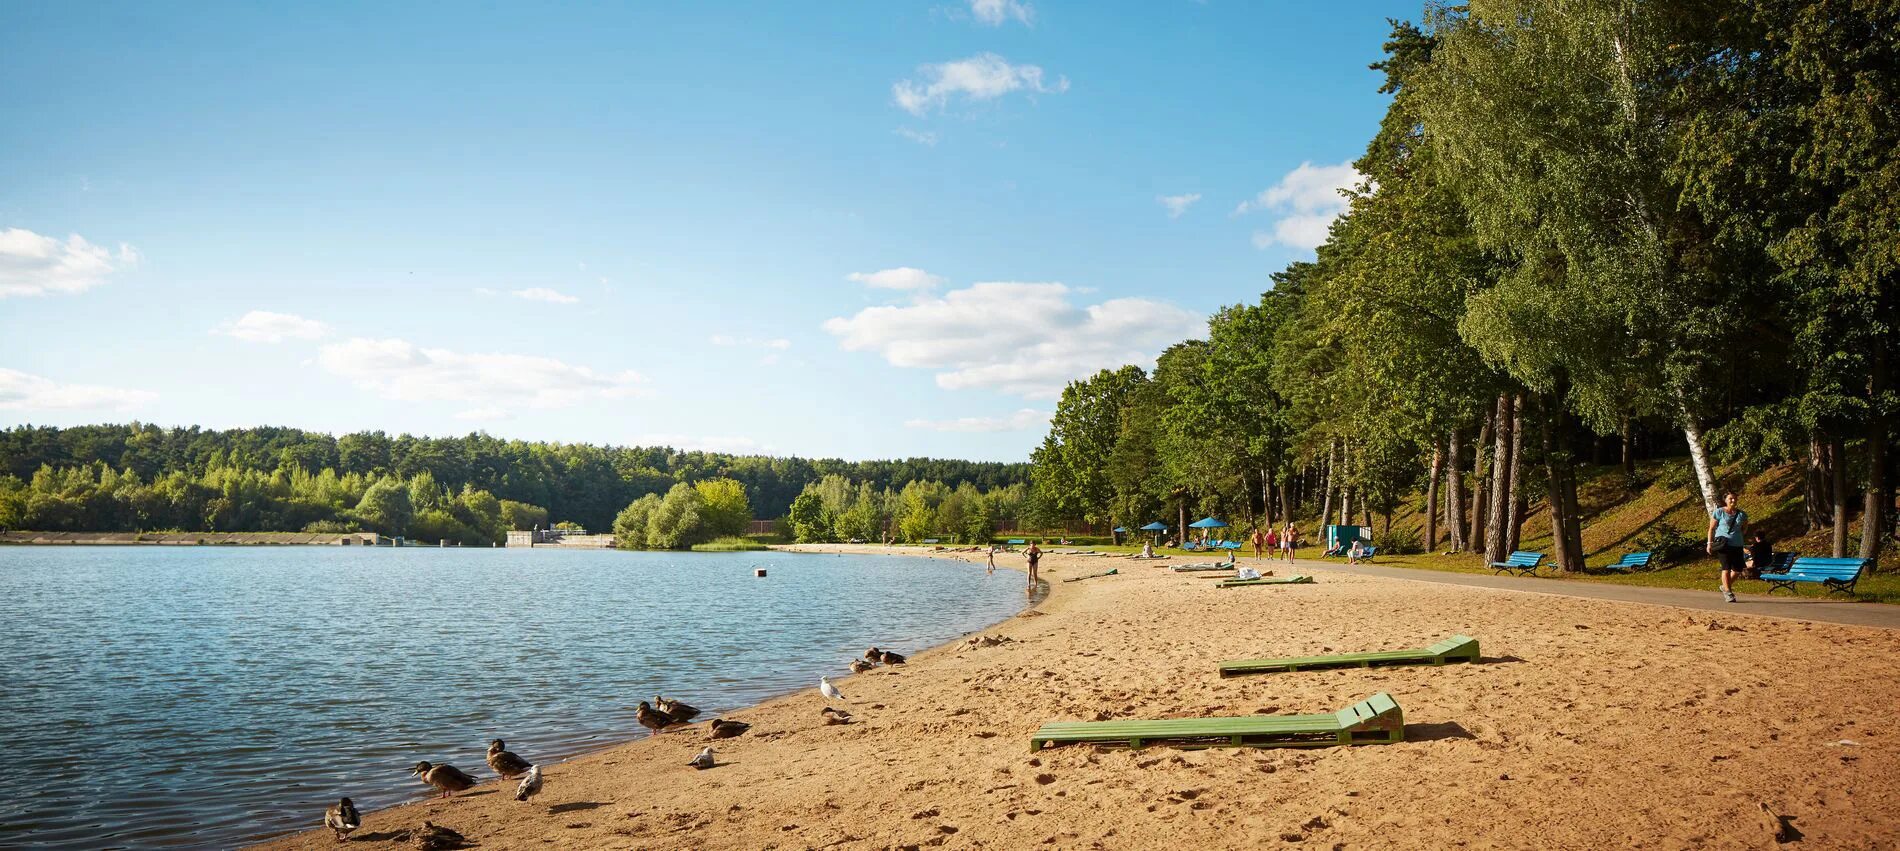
859,230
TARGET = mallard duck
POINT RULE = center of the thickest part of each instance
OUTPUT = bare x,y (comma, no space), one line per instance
342,818
505,762
835,716
874,655
704,760
530,784
652,719
679,710
859,666
447,778
723,729
889,658
435,837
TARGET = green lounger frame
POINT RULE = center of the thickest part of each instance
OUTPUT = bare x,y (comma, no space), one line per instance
1191,568
1458,648
1270,580
1377,720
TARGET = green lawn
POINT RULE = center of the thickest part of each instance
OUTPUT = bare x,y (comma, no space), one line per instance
1700,575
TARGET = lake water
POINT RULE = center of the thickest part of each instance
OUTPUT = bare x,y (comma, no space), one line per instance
202,697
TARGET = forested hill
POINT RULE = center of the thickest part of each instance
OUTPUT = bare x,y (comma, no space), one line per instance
578,482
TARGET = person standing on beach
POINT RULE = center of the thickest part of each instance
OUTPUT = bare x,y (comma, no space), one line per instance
992,571
1035,557
1259,541
1726,542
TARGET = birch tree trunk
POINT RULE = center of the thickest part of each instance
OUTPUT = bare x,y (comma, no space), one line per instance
1454,496
1431,501
1480,471
1328,479
1837,454
1497,535
1515,527
1698,458
1873,510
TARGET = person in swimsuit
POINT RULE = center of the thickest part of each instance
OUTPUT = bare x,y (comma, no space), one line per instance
1035,557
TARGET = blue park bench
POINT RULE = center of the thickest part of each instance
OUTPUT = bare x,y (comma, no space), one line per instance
1833,574
1630,561
1521,563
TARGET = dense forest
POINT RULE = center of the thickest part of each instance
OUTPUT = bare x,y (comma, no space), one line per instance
1582,227
138,476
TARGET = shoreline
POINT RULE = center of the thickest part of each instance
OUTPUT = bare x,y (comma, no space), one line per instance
1039,595
1582,727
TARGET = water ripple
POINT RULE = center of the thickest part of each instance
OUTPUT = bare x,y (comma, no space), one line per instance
202,697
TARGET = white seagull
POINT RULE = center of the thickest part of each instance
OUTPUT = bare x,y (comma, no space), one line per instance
530,784
828,690
704,760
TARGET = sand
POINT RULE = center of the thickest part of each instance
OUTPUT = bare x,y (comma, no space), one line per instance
1589,724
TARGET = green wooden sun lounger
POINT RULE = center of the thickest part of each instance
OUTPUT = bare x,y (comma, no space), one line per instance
1373,721
1111,572
1458,648
1190,568
1268,580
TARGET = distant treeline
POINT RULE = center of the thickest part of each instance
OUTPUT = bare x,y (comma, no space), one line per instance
838,509
575,482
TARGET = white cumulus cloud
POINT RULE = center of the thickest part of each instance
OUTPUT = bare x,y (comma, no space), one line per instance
1024,339
985,76
900,278
20,391
1178,204
400,370
1306,200
263,326
544,294
1023,420
31,264
998,12
921,137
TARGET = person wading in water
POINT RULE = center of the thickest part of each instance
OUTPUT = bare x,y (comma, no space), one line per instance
1035,557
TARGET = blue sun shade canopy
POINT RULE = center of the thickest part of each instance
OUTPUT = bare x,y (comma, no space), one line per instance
1207,523
1156,526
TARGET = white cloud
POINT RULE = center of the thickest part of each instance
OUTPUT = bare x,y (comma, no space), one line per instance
31,264
544,294
900,278
263,326
1025,339
1307,200
778,343
1178,204
921,137
1023,420
997,12
21,391
403,371
985,76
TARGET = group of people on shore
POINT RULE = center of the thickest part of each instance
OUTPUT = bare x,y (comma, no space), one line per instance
1285,541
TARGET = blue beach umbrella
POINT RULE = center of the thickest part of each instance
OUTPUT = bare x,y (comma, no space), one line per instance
1207,523
1156,527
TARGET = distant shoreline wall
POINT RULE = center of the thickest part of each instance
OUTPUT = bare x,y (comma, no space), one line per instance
362,539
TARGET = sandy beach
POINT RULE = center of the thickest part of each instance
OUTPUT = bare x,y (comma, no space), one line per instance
1588,724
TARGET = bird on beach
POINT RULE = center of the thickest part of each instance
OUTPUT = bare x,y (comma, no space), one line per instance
505,762
342,818
874,656
724,729
445,777
679,710
835,716
530,784
830,691
704,760
889,658
859,666
435,837
652,719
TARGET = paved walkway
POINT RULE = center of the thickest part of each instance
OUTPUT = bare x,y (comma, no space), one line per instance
1808,608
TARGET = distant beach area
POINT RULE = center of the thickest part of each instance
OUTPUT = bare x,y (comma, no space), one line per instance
1586,724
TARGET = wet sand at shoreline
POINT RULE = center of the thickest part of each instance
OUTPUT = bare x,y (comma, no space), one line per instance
1588,724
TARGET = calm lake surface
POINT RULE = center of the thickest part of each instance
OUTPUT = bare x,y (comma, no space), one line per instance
202,697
